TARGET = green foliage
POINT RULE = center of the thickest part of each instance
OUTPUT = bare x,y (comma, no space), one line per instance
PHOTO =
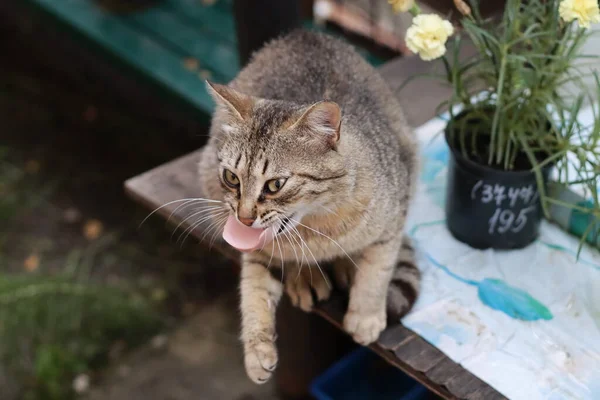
520,94
16,193
54,328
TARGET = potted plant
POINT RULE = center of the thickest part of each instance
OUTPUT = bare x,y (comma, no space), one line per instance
513,117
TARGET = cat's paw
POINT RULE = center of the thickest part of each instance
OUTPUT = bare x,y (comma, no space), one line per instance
260,360
298,287
365,328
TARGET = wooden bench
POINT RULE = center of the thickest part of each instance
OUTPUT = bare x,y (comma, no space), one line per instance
398,345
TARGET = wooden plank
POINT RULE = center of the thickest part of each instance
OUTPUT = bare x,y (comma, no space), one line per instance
419,354
464,383
443,371
216,18
388,356
213,53
142,53
395,336
485,393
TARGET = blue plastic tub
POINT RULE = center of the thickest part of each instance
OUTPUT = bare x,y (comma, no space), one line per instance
362,375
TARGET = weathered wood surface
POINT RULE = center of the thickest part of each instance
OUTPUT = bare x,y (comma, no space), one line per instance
398,345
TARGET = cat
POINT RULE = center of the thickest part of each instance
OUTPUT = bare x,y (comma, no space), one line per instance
313,162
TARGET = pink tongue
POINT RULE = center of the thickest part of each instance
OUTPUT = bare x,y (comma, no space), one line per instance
243,237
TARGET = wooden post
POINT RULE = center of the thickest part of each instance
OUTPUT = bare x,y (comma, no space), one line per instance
259,21
307,346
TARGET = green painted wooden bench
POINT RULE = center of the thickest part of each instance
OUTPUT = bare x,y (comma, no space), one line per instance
174,44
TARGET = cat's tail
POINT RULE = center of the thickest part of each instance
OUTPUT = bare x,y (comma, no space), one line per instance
405,284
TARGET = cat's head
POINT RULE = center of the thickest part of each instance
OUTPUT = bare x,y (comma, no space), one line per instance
278,161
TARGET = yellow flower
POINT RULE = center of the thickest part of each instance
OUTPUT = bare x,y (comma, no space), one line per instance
401,5
584,11
428,35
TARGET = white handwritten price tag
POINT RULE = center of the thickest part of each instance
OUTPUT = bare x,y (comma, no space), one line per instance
505,217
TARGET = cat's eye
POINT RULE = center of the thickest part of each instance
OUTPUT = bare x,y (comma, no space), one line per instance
231,179
274,185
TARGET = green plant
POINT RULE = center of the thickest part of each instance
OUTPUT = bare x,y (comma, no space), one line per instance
515,102
54,328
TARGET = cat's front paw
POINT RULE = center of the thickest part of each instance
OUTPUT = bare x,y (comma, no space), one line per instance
364,327
260,360
299,288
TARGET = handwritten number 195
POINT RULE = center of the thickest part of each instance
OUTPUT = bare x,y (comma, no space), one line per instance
503,220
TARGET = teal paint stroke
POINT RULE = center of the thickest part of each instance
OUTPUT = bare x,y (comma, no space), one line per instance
449,272
495,293
512,301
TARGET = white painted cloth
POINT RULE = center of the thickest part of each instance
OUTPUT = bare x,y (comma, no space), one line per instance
527,321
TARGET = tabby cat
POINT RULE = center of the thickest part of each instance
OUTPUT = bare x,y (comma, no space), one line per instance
313,162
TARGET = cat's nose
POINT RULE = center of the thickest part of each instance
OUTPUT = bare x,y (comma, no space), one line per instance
247,221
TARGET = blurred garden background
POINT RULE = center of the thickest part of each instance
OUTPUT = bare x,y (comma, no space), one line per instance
81,282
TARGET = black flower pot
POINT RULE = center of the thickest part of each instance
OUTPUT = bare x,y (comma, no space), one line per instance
491,208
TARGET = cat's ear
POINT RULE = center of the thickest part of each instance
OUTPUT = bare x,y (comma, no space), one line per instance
239,104
322,119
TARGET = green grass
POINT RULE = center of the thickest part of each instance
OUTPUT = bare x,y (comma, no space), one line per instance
57,325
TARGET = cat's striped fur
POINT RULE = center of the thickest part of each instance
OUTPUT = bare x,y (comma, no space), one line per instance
309,109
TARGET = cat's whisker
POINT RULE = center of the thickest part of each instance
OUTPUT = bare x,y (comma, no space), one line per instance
185,204
303,257
286,234
182,207
300,267
281,256
173,202
263,246
200,211
313,256
214,225
199,222
303,245
272,250
332,240
222,222
292,235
